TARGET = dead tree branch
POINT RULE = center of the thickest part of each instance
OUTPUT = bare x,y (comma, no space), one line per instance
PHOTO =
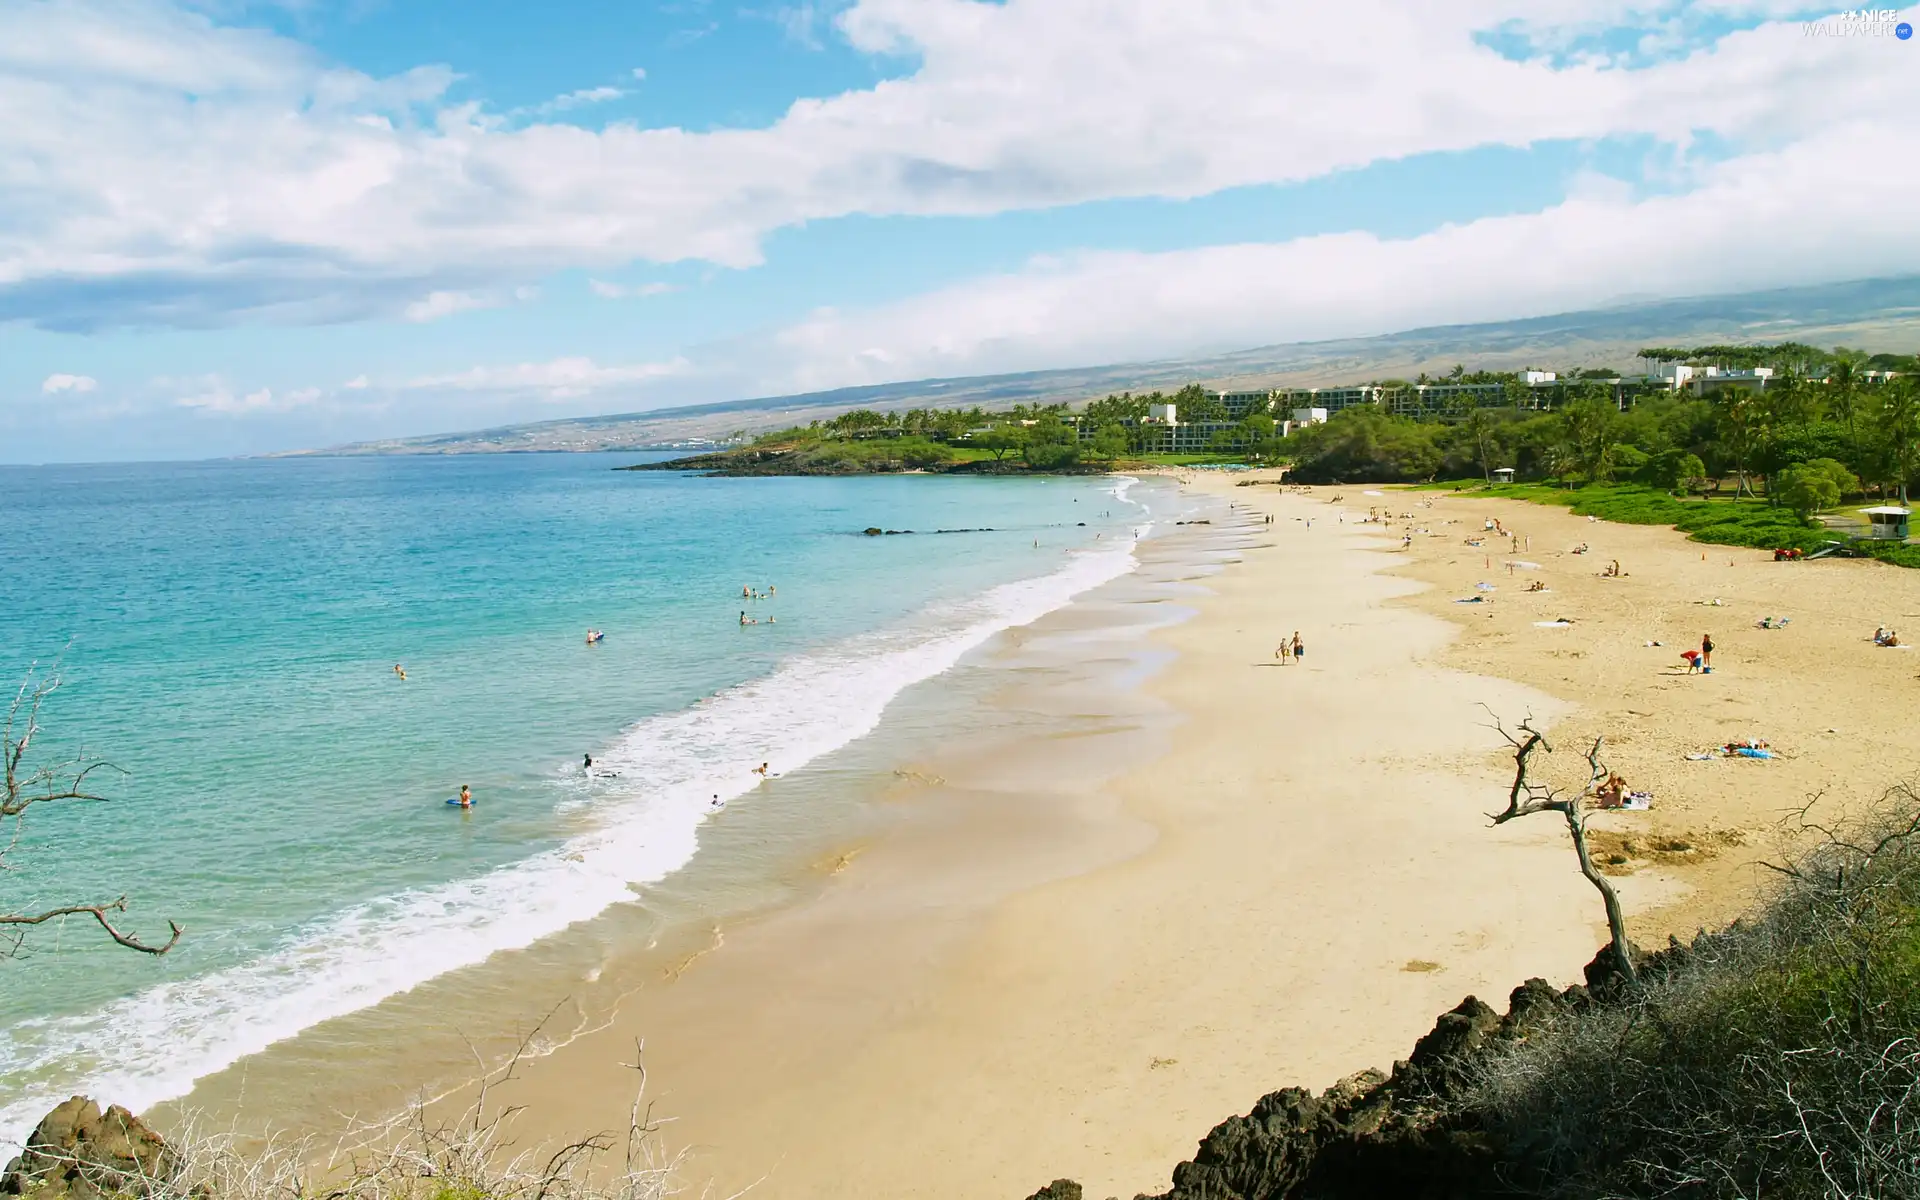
1528,796
25,785
99,913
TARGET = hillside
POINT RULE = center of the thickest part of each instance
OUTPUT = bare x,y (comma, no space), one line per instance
1880,314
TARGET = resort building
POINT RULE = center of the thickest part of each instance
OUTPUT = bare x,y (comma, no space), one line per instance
1674,376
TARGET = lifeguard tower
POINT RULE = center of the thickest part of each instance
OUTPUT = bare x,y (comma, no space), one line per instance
1888,522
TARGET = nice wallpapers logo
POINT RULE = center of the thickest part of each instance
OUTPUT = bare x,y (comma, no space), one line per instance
1862,22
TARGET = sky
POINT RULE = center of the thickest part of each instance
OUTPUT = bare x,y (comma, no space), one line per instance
230,227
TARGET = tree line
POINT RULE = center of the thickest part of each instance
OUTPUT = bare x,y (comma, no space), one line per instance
1801,439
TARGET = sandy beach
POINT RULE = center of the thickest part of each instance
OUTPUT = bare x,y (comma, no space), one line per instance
1292,887
1157,874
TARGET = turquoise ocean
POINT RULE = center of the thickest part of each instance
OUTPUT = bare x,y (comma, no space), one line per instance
225,634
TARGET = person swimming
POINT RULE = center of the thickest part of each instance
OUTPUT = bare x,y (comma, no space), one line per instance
586,762
466,796
594,635
399,670
761,770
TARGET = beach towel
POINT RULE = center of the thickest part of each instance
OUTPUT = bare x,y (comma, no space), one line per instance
1702,756
1750,752
1553,624
1639,801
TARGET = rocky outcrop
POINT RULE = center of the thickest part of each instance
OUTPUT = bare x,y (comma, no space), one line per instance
1409,1135
78,1152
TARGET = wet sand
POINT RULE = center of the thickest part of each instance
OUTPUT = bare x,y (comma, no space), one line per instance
1287,890
1131,874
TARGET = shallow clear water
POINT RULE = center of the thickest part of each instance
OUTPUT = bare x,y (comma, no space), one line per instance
233,629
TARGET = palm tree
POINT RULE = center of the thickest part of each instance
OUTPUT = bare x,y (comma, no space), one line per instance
1843,402
1899,429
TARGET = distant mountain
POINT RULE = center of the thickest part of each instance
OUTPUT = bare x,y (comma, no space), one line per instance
1873,314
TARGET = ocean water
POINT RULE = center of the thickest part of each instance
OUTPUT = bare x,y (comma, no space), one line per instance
226,633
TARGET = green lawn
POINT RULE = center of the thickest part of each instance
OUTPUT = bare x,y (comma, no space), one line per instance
1719,521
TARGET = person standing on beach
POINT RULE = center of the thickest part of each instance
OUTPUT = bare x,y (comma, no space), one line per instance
1706,651
1299,647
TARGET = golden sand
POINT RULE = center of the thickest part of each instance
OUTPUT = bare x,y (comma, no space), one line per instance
1295,886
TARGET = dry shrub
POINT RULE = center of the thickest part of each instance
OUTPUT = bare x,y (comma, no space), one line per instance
1777,1058
418,1158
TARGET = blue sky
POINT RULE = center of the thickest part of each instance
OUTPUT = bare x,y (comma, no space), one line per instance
230,227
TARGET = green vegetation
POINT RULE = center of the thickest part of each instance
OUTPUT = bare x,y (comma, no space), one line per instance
1786,452
1801,444
1776,1058
1735,434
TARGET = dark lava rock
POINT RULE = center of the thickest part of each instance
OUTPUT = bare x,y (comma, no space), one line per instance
1059,1189
1410,1136
78,1152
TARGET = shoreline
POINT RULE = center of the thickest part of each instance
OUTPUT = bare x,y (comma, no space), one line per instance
764,854
1215,955
1144,893
317,992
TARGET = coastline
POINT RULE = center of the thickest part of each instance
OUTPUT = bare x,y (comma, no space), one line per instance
1159,876
772,848
1288,892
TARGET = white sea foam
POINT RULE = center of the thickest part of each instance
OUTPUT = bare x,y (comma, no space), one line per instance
152,1046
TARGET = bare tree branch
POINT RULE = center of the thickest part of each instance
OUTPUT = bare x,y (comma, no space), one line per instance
1528,796
99,913
24,785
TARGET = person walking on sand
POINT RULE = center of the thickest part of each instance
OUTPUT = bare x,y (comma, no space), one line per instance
1284,653
1706,652
1299,647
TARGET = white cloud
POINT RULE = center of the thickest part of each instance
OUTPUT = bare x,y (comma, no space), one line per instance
620,291
639,72
68,383
558,379
212,394
156,167
805,21
1764,220
356,384
576,99
435,305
